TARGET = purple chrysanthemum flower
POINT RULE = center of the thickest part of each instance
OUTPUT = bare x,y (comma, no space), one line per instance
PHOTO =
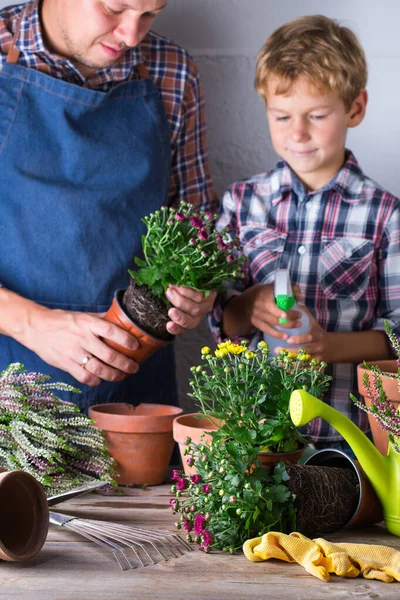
190,461
174,504
230,258
207,538
192,242
187,525
203,235
209,216
170,222
206,488
175,475
180,216
197,222
195,478
181,484
198,524
222,246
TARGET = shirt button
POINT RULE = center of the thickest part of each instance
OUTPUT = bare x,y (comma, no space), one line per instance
302,250
257,242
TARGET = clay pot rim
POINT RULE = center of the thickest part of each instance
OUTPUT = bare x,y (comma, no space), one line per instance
118,298
356,468
35,488
180,420
382,364
283,454
131,423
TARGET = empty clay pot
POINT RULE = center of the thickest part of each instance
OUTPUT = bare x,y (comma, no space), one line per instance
192,427
391,388
147,343
138,438
24,516
369,509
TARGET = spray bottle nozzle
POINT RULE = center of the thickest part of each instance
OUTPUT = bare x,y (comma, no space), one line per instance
284,297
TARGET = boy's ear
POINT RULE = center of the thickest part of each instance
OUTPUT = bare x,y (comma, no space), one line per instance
358,108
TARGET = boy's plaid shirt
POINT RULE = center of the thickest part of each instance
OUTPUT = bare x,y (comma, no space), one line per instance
172,70
341,244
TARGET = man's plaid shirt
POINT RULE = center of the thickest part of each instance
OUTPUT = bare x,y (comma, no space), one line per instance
172,70
341,245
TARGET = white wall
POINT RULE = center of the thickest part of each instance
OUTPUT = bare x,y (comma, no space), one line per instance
225,36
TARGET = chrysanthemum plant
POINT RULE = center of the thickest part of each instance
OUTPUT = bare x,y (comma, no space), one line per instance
46,436
182,247
232,497
381,408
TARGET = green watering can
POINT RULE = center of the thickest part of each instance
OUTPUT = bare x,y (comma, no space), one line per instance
382,471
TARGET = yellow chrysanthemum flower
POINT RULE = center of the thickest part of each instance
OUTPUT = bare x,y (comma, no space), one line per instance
205,350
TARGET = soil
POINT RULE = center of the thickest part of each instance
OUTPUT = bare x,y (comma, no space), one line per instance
326,497
148,312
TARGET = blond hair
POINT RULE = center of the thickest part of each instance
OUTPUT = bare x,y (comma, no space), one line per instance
317,48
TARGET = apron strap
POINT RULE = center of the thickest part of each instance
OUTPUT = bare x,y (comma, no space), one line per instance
13,53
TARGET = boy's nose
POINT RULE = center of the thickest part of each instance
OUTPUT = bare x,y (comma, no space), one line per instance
300,131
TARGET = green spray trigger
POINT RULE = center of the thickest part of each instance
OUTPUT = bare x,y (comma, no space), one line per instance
284,297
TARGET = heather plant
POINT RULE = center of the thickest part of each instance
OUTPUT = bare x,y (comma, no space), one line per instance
182,247
46,436
381,408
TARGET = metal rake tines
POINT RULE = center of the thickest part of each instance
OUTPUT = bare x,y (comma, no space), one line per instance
131,546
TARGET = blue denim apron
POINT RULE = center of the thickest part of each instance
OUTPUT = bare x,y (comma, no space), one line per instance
79,169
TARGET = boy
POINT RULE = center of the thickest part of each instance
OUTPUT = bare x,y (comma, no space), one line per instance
316,214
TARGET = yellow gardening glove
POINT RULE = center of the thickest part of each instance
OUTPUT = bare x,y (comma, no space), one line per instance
320,557
291,548
374,562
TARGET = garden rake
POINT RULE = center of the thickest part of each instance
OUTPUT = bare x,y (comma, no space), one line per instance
131,546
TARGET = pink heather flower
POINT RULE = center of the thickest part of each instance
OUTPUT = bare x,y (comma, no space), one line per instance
232,499
187,525
230,258
190,461
198,524
203,235
181,484
197,222
175,475
195,478
192,242
207,538
179,216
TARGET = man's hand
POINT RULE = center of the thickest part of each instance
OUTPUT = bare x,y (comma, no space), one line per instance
189,307
64,338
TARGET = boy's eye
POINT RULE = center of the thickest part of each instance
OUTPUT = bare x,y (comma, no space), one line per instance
318,117
282,118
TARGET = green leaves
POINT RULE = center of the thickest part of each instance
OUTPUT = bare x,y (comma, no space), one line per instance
182,247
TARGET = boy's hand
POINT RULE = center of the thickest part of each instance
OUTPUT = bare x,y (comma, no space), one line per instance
315,342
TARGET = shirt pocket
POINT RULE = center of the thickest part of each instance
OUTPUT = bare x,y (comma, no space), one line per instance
344,266
263,248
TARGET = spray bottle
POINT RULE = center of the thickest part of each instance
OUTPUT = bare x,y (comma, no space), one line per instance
285,299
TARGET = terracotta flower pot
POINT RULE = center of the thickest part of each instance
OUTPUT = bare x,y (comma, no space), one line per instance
147,343
391,387
24,516
271,458
369,509
138,438
192,427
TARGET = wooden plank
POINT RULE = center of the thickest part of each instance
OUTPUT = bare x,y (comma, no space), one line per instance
71,568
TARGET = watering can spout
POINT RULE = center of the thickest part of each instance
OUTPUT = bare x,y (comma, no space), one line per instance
304,407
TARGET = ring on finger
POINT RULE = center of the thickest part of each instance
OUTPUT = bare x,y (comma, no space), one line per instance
85,360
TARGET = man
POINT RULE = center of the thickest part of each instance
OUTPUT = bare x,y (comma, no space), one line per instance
101,122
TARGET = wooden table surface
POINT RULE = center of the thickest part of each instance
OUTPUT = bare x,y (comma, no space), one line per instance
72,568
